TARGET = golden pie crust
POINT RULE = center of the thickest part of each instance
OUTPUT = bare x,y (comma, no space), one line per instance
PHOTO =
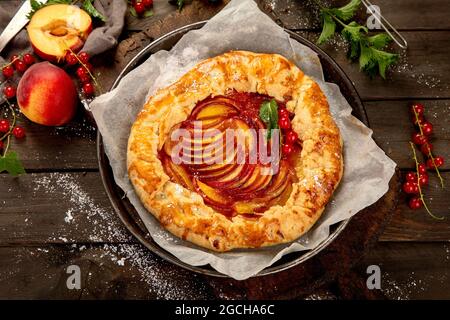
183,212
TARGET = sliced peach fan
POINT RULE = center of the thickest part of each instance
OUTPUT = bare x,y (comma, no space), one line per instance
228,185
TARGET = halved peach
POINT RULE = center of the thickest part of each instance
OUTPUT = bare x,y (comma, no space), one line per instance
55,29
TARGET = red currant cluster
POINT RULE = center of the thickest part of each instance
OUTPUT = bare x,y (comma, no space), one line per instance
289,135
141,6
19,64
422,137
414,181
84,70
6,130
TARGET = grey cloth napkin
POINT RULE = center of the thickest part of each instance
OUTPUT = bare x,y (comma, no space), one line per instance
100,40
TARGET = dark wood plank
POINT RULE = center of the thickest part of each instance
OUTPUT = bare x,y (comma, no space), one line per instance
74,208
411,270
107,272
392,126
403,14
423,71
57,208
418,225
57,148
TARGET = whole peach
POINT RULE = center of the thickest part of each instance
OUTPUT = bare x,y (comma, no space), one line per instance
47,95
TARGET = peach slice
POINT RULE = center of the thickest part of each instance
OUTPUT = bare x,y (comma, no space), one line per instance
216,110
55,29
211,193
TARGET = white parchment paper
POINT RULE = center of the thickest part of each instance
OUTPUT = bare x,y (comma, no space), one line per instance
241,26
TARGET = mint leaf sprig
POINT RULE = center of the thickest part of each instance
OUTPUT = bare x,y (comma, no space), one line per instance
368,50
268,113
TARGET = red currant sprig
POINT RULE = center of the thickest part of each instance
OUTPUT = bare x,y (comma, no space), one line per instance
290,136
421,139
83,72
8,129
18,63
141,7
415,187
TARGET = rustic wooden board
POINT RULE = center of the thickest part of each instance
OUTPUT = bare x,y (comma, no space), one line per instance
403,14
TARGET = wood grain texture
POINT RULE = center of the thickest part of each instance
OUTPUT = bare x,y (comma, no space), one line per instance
403,14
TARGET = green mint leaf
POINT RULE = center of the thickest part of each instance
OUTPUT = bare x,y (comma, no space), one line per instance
329,27
268,113
348,11
264,112
148,13
180,4
354,33
133,12
92,11
384,60
380,40
11,163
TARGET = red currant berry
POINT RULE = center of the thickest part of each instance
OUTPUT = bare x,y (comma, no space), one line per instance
284,123
426,148
4,126
411,177
415,203
423,179
28,59
84,57
139,8
283,112
21,66
410,187
14,59
420,120
438,161
8,71
88,89
422,168
287,149
427,128
291,137
85,78
9,92
71,59
147,3
417,108
419,139
82,72
18,132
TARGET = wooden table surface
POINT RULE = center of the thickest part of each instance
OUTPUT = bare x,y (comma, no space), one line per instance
58,214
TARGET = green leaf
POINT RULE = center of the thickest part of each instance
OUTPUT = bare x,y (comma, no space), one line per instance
380,40
384,60
346,12
180,4
133,12
148,13
353,33
36,5
92,11
268,113
11,163
329,27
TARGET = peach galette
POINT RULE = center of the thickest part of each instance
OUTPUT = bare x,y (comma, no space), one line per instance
240,152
